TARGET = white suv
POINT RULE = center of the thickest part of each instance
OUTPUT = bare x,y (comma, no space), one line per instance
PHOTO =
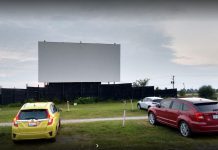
147,102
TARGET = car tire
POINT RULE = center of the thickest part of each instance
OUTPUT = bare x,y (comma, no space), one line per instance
59,123
184,129
15,141
139,106
57,130
152,118
52,140
148,107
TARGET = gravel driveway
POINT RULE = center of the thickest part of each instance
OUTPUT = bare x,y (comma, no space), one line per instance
89,120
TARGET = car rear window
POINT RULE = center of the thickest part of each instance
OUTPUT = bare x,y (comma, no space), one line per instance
33,114
204,107
157,100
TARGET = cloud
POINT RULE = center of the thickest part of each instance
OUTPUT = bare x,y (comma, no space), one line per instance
194,42
2,75
16,56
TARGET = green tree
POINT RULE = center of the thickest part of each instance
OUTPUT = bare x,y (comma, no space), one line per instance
182,93
206,91
141,82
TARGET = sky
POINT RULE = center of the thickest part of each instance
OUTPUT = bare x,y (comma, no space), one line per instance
158,39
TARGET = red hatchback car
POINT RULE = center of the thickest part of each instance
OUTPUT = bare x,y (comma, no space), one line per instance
187,114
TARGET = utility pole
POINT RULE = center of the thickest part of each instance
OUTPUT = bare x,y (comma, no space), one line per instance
183,85
173,81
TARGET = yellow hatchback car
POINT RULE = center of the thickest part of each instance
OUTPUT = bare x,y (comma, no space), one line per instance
39,120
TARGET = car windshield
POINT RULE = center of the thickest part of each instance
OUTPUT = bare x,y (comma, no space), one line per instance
204,107
33,114
157,100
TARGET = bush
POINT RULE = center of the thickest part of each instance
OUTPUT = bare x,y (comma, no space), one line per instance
31,100
86,100
43,100
206,92
56,100
15,104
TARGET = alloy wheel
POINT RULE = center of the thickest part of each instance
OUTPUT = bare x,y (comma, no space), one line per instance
184,129
151,118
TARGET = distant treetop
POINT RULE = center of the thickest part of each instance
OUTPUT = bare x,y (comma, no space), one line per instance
141,82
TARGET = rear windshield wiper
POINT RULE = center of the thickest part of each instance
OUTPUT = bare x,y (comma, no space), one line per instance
215,109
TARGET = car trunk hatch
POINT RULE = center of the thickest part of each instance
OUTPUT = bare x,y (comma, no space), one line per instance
209,111
211,118
34,120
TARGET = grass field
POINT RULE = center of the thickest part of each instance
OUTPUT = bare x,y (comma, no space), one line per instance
136,134
97,110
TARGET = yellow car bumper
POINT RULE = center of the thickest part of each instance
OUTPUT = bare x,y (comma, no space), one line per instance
47,134
28,136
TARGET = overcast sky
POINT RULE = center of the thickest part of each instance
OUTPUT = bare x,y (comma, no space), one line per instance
158,39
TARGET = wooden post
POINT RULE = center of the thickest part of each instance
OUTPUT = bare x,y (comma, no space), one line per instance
124,114
132,104
68,106
124,117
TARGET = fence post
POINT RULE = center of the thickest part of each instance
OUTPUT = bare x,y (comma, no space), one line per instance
124,117
124,114
68,107
132,104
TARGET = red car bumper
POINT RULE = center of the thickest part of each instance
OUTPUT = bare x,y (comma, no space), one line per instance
203,127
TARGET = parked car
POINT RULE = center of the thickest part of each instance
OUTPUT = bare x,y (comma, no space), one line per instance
189,115
36,121
147,102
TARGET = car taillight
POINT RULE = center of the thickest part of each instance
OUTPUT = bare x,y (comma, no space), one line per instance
50,119
15,120
199,116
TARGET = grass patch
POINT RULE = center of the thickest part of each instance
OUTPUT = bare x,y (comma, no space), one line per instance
137,134
97,110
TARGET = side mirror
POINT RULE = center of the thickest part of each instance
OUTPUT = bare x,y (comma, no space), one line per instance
158,105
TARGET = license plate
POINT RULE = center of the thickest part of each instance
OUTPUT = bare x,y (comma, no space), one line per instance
215,116
32,124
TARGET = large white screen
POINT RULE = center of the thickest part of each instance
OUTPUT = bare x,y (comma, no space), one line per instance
78,62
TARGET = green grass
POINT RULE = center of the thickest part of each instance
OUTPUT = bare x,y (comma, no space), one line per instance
8,113
136,134
97,110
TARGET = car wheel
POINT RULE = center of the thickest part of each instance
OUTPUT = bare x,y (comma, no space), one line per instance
59,123
139,106
152,118
15,141
184,129
148,107
57,130
53,139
